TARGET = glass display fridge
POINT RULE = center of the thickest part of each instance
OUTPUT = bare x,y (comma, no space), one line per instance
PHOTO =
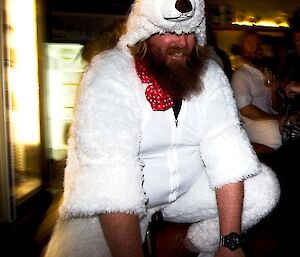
21,136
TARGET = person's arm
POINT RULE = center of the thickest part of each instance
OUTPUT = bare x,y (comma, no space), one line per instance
230,199
122,234
241,85
254,113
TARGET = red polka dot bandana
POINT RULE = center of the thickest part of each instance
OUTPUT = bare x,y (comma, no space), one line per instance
158,98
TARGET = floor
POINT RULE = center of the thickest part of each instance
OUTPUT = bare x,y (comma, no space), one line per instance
19,239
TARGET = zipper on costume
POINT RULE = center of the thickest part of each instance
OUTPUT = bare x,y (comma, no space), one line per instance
176,110
173,166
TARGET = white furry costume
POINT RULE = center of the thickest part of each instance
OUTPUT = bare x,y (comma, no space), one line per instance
104,170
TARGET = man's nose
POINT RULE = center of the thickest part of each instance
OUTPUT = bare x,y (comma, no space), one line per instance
182,40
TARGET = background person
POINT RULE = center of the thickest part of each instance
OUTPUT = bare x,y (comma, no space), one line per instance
286,158
258,103
291,80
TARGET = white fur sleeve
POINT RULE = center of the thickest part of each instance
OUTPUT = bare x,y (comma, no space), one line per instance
225,147
103,172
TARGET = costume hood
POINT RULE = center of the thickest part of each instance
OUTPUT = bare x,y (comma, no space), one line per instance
148,17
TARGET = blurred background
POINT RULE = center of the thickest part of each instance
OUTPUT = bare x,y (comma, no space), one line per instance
41,46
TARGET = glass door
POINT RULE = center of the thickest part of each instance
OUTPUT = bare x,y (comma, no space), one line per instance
20,117
5,208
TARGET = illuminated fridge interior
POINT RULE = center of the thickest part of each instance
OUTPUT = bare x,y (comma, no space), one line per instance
21,154
64,71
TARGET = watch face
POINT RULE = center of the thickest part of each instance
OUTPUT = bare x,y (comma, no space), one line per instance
233,241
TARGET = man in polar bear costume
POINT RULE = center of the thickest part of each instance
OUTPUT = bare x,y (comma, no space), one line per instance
156,129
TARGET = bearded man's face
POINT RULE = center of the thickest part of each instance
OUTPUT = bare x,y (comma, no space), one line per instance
172,48
252,49
173,60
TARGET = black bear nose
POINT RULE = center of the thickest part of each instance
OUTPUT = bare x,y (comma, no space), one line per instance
183,6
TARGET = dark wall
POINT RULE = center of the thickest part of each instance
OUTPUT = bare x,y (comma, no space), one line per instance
78,21
90,6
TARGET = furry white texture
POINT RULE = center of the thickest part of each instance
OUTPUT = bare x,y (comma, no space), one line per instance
104,173
84,236
160,16
103,167
77,238
262,193
222,133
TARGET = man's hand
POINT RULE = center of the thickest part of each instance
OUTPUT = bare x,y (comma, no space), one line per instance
292,89
225,252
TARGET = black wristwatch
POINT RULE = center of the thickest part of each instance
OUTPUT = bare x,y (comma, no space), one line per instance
232,241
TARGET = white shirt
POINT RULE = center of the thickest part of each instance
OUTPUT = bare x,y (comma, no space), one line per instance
171,153
248,86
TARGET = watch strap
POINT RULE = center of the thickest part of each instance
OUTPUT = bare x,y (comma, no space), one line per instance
232,241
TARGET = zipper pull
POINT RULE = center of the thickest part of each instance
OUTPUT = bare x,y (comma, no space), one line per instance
176,122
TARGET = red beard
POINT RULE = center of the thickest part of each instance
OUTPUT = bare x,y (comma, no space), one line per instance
181,77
